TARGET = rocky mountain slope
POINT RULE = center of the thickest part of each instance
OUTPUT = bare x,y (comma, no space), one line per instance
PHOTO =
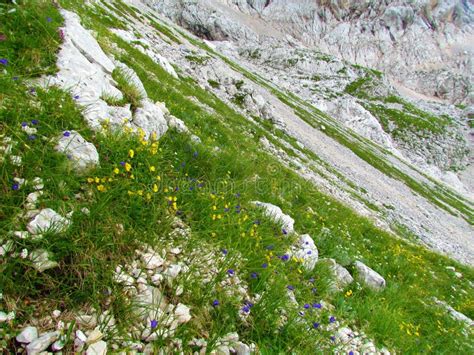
423,45
239,191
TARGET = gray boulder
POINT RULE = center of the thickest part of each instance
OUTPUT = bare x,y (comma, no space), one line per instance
369,277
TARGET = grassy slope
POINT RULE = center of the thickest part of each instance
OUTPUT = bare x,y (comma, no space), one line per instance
89,250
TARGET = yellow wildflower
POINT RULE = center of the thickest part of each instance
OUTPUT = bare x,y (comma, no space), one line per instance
158,178
97,180
128,167
131,153
155,188
349,293
90,180
101,188
116,171
152,168
148,196
140,192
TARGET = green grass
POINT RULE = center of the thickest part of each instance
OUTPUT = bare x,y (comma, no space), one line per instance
88,252
131,94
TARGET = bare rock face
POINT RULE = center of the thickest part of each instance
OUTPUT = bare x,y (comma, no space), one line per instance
427,40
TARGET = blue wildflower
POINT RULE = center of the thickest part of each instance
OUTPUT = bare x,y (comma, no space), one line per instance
315,325
231,272
317,305
332,319
15,187
254,275
215,303
4,61
154,324
66,134
224,251
264,265
311,280
32,137
291,288
34,122
285,257
49,19
306,306
122,163
284,231
246,309
24,124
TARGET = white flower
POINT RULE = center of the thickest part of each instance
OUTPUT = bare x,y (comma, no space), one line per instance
24,254
60,325
29,130
16,160
11,316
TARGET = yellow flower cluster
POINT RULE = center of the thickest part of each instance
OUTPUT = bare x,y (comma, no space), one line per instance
410,329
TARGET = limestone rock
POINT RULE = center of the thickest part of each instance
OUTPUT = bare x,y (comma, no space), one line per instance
306,250
369,277
99,348
94,336
342,277
27,335
41,261
150,119
182,313
47,220
81,153
277,214
42,343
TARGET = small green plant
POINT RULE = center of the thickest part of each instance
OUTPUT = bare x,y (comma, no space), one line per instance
131,94
214,84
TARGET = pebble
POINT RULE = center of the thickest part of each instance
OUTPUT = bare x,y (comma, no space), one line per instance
27,335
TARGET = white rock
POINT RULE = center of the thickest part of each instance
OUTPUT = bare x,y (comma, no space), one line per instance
175,251
157,279
58,345
33,197
277,214
38,183
182,313
94,336
41,261
152,260
150,119
56,313
369,277
173,270
99,348
341,275
27,335
87,321
21,234
85,42
306,249
42,343
81,153
148,302
81,336
48,220
241,348
178,124
455,314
